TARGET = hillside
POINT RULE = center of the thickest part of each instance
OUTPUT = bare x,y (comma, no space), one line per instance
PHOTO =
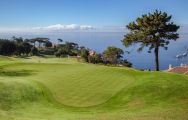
57,89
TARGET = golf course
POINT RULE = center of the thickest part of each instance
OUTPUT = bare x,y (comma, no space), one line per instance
44,88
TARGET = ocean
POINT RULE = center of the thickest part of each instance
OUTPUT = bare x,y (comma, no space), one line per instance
98,41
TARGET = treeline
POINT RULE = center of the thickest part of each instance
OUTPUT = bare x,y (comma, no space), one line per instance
111,56
20,46
43,46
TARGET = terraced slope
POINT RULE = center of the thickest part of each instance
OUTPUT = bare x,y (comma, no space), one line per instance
51,88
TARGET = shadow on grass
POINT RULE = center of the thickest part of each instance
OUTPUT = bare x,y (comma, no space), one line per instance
16,73
29,57
23,57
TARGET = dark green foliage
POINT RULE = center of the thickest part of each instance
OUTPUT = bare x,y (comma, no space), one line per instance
18,40
20,46
62,52
47,51
16,46
112,55
67,49
7,47
34,51
57,54
96,58
23,48
126,63
48,44
72,48
59,40
153,30
84,53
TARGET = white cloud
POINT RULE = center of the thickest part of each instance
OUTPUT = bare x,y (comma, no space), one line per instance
60,28
65,27
49,29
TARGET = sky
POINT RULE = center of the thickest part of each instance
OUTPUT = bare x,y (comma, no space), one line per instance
30,15
95,24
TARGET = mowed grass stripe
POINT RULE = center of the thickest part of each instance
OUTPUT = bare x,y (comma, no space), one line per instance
79,85
86,91
89,92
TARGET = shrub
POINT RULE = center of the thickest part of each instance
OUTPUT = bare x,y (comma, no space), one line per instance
34,51
126,63
7,47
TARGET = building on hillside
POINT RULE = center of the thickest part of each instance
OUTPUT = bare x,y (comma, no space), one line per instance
91,53
182,69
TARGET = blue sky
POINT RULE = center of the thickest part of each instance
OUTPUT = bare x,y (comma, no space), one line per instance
98,13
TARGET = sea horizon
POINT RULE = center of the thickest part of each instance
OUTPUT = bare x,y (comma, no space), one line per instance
99,41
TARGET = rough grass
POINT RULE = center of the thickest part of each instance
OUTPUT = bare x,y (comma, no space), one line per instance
57,89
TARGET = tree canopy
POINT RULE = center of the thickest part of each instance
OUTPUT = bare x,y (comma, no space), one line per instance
69,48
84,53
152,30
7,47
113,54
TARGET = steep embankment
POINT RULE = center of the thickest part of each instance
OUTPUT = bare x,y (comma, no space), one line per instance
65,89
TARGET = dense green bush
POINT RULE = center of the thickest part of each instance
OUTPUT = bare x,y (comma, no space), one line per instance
7,47
23,48
34,51
126,63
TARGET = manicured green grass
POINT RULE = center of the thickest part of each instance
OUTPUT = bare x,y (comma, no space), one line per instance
58,88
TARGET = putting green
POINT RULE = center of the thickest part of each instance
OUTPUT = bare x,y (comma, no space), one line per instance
66,89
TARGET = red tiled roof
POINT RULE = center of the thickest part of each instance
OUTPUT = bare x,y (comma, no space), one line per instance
180,70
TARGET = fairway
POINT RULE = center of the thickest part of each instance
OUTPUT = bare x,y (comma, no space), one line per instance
38,88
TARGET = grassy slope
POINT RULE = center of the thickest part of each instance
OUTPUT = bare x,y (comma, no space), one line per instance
51,88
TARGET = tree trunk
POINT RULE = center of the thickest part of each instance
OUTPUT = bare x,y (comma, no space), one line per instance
157,58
